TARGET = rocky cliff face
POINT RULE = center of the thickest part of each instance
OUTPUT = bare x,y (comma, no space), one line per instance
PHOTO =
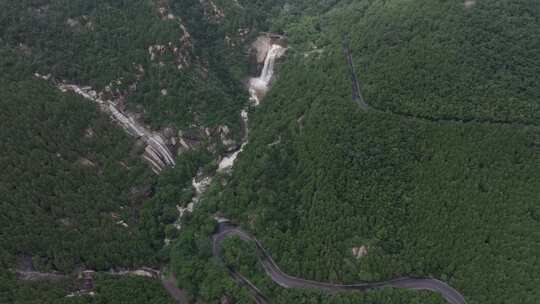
179,58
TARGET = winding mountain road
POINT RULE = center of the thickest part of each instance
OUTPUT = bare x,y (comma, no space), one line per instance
226,229
365,106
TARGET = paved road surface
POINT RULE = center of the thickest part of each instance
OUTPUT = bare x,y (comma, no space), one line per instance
225,230
362,103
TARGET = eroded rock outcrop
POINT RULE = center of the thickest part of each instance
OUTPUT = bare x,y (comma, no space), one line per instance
157,153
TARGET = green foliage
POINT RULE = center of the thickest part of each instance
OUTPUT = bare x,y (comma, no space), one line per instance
445,60
129,290
68,178
173,188
106,43
242,257
452,201
192,263
108,289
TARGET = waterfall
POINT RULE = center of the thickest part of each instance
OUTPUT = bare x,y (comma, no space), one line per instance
257,88
268,69
228,161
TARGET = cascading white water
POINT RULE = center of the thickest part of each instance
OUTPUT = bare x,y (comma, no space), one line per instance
257,88
228,161
268,69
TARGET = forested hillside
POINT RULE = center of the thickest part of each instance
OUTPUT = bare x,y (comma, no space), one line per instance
73,187
438,176
468,62
76,194
66,172
138,50
108,289
438,179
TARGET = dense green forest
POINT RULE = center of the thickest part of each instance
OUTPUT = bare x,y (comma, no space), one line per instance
454,201
108,289
106,43
425,196
241,256
75,192
69,177
476,62
75,195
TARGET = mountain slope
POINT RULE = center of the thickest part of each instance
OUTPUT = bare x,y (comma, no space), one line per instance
76,195
445,59
446,199
66,180
438,176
